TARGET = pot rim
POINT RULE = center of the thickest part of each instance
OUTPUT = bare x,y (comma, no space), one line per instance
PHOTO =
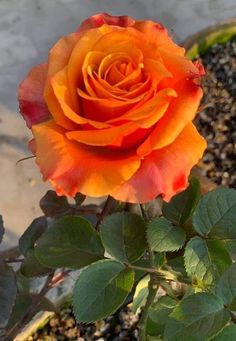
199,42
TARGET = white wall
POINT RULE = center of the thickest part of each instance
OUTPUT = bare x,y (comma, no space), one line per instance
29,27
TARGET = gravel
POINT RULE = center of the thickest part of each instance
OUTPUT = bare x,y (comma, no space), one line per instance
217,123
122,326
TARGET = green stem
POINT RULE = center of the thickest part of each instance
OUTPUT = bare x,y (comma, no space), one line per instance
108,206
152,290
141,268
153,286
144,213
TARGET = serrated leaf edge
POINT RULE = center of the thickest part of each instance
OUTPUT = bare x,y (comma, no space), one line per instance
115,309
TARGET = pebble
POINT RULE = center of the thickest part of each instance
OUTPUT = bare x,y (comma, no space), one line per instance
217,122
122,326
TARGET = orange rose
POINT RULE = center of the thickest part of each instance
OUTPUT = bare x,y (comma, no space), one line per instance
111,111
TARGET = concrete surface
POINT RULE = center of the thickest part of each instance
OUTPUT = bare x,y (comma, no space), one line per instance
27,29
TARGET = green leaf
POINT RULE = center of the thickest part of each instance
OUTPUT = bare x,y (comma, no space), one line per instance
31,267
101,289
159,259
23,283
181,207
226,287
124,236
143,263
177,264
163,236
227,334
70,242
158,314
21,306
215,214
233,305
230,245
2,230
47,305
33,232
8,291
54,206
23,303
206,260
140,295
79,199
197,317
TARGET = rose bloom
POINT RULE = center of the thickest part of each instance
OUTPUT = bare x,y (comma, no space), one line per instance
111,111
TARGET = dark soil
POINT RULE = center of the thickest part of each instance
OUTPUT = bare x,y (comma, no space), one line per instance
217,123
62,327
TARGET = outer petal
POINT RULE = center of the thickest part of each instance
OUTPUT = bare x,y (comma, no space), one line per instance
157,34
123,38
30,96
100,19
72,167
180,67
164,171
181,111
59,56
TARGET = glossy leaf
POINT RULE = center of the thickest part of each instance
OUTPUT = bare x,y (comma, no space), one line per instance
124,236
226,287
31,267
206,260
141,293
158,314
227,334
139,273
47,305
181,207
23,283
177,264
52,205
21,306
215,214
8,291
197,317
33,232
70,242
230,245
163,236
101,289
79,199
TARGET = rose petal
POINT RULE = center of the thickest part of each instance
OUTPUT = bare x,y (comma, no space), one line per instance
157,34
125,40
30,96
181,111
72,168
102,137
100,19
63,97
58,58
105,109
180,67
164,171
154,108
84,45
